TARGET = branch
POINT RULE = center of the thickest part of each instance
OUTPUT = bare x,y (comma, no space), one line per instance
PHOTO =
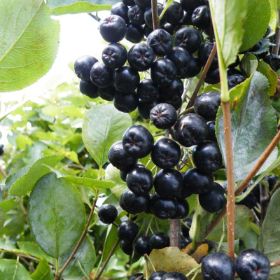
203,75
95,17
174,234
80,241
155,14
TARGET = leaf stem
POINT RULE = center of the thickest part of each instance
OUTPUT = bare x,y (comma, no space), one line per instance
80,241
155,17
230,179
203,75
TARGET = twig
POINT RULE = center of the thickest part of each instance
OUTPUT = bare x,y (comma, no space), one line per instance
230,179
174,234
107,260
275,263
95,17
155,14
80,241
275,49
203,75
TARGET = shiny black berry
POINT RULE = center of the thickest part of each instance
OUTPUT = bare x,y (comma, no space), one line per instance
134,33
160,41
196,182
163,208
190,5
190,130
207,104
88,89
132,203
125,102
159,241
107,93
120,9
147,91
207,157
211,130
139,180
235,79
126,79
128,2
107,213
114,56
143,3
163,72
213,76
168,183
138,141
214,200
169,27
174,276
201,17
101,75
136,15
172,90
174,13
204,53
188,38
217,266
113,28
144,109
128,230
126,246
252,264
157,275
163,115
182,210
120,158
83,66
141,57
142,245
166,153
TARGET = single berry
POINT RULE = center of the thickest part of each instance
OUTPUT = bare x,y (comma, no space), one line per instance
217,266
174,276
272,181
190,129
213,76
166,153
182,210
163,115
126,246
141,57
190,5
136,15
143,3
163,208
128,2
144,109
159,241
120,158
192,68
252,264
138,141
113,28
142,245
201,17
134,33
126,79
160,41
187,18
107,213
174,13
83,66
249,201
163,72
133,203
148,16
169,27
204,53
196,182
214,200
120,9
168,183
173,90
207,157
188,38
207,105
157,275
107,93
101,75
147,92
211,130
128,230
235,79
139,180
175,101
88,89
125,102
114,56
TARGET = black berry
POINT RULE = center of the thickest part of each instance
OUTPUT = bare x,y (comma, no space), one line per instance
201,17
157,275
182,210
107,93
126,246
136,15
143,3
101,75
83,66
235,79
126,79
132,203
120,9
125,102
128,231
163,115
147,92
134,33
114,56
188,38
88,89
142,245
159,241
107,213
190,5
174,276
160,41
174,13
163,208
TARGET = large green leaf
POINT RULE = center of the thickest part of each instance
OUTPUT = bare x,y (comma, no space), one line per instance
254,125
56,214
103,125
29,41
270,234
42,272
59,7
13,270
27,179
89,182
228,20
256,22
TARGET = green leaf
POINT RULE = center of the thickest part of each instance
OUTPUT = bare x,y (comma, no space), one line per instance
26,181
274,14
228,20
42,272
272,76
254,125
13,270
249,64
29,41
57,215
103,125
270,233
83,262
59,7
256,22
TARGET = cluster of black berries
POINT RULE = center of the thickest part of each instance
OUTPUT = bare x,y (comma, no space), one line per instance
133,242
